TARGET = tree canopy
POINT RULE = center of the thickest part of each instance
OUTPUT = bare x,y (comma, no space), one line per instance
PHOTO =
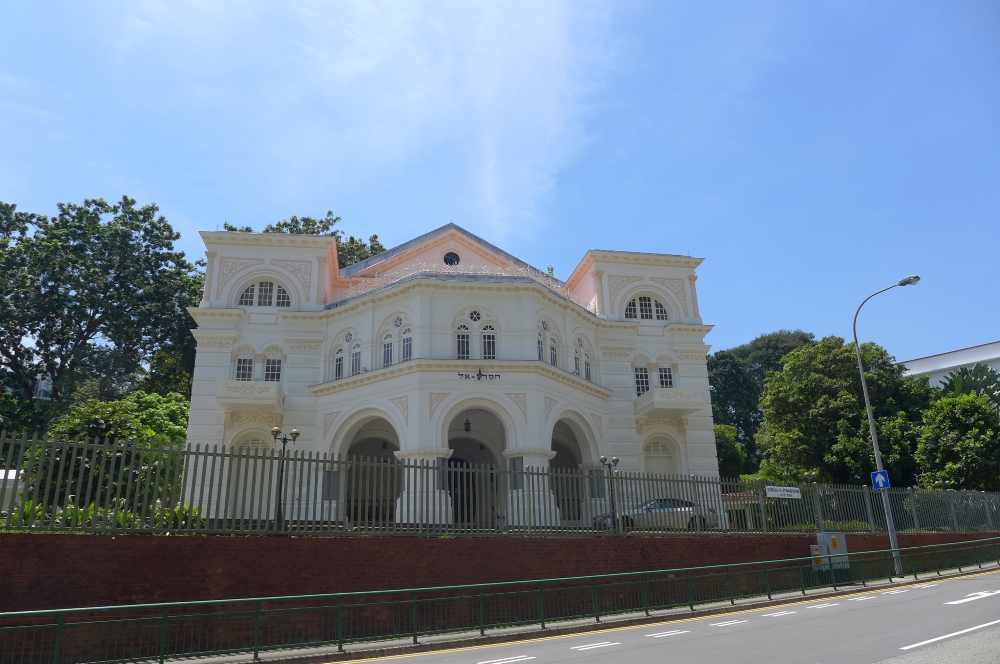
140,417
93,294
737,379
981,379
960,443
815,420
730,455
349,251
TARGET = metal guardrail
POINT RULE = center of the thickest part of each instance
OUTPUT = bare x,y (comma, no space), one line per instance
58,485
157,632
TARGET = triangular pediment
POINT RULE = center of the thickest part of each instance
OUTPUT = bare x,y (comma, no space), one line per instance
427,253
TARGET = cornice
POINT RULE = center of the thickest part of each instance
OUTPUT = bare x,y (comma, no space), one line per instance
267,239
639,258
461,366
208,315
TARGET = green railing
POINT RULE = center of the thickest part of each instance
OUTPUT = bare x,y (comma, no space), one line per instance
118,486
156,632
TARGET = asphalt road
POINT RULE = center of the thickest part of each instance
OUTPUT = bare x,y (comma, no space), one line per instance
956,620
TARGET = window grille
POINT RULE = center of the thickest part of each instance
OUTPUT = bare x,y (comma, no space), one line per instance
586,367
338,366
661,312
387,351
541,349
244,368
489,343
666,377
576,363
462,343
407,346
646,308
553,353
246,299
265,293
272,369
356,360
630,310
641,381
282,299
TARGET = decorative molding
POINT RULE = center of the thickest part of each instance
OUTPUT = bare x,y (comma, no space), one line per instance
617,283
597,421
675,286
266,239
549,403
436,399
516,452
599,292
694,294
645,423
521,400
273,419
621,421
328,421
307,347
403,404
691,357
215,342
617,351
302,271
299,389
230,266
248,388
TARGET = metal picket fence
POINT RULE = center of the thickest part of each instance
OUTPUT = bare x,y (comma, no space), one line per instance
158,632
112,486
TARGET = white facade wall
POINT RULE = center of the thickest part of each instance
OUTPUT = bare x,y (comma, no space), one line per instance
532,411
937,367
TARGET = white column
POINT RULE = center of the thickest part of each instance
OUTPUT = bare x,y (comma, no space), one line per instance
530,501
424,499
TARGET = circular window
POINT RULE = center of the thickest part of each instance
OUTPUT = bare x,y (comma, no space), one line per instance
579,343
348,337
474,316
451,258
545,326
398,322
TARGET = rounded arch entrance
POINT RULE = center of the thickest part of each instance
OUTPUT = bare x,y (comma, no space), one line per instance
575,447
370,478
477,436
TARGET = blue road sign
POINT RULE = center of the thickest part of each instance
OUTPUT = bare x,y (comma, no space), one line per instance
880,479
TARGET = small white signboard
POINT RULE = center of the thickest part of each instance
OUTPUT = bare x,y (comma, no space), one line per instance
783,492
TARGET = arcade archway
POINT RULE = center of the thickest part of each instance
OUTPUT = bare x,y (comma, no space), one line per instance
477,439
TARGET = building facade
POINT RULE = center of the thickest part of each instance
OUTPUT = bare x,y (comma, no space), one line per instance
450,350
937,367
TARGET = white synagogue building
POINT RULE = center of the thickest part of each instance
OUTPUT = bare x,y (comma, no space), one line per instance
450,350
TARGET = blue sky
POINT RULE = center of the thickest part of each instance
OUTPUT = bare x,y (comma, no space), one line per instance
812,153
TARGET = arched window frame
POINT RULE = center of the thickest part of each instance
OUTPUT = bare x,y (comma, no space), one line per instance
406,350
553,351
488,340
463,340
264,292
244,364
356,358
647,307
640,371
338,363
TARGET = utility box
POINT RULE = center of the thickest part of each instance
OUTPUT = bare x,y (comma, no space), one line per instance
830,561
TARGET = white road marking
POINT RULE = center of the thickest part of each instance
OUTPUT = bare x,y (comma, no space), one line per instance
861,599
779,613
928,585
972,597
508,660
602,644
822,606
948,636
670,633
728,622
895,592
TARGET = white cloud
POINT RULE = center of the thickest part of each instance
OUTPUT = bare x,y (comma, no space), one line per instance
337,94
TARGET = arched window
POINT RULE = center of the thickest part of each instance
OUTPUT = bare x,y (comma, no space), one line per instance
659,457
489,342
666,377
553,352
407,345
244,368
338,364
387,350
264,294
356,359
462,342
576,362
645,307
541,347
586,366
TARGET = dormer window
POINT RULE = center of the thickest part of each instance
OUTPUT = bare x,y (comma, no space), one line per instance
451,258
264,294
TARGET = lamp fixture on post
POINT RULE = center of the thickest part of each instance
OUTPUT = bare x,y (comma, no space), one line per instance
468,424
610,465
886,506
284,440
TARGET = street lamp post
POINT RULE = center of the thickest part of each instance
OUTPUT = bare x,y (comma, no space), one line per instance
294,433
889,522
610,465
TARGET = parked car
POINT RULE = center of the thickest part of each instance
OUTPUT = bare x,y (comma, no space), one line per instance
662,514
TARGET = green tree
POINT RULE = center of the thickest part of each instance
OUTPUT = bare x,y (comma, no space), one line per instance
91,295
815,420
349,251
737,378
730,454
140,417
981,379
960,443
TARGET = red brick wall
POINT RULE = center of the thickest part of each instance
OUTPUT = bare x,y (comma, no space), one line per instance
62,571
